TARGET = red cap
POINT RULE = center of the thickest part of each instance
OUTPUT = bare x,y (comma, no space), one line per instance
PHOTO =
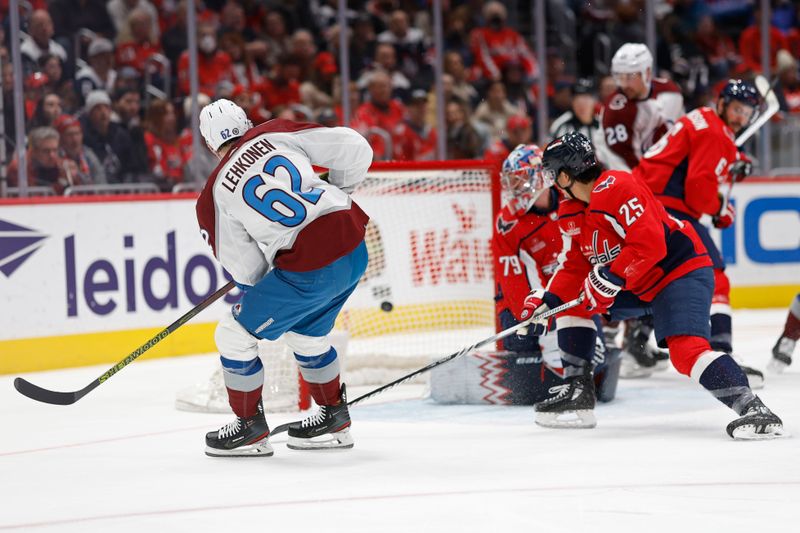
518,121
326,63
63,122
36,80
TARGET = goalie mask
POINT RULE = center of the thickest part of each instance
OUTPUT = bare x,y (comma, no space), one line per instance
521,177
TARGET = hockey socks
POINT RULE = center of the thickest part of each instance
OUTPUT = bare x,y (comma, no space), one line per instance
719,374
576,341
792,328
321,372
244,381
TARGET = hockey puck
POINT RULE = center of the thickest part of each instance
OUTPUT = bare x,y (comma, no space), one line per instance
386,306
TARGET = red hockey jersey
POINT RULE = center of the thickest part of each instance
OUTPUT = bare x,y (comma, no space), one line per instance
686,167
535,234
626,228
630,127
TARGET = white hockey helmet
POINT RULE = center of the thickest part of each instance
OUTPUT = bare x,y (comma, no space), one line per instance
222,121
631,58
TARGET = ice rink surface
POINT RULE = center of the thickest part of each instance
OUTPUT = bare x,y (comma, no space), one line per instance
122,459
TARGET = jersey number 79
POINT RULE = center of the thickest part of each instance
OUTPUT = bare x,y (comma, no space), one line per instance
293,212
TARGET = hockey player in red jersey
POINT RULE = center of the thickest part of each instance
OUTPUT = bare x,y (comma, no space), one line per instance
633,118
625,254
525,245
686,170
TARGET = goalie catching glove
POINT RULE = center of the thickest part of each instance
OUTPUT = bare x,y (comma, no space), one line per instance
538,301
600,288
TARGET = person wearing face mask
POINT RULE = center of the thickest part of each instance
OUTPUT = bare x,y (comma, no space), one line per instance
496,44
213,65
687,168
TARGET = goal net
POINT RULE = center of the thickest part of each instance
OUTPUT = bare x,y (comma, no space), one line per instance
428,290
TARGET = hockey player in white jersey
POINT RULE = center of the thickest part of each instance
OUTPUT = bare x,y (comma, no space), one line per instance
295,245
633,118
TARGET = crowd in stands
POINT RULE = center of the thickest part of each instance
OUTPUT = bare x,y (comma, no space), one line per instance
106,82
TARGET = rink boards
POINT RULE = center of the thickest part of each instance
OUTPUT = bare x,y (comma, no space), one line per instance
85,281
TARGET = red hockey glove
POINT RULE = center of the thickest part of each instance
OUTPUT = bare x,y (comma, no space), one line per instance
538,301
739,170
726,216
600,288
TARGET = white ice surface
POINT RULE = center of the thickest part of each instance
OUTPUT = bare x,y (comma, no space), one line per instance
122,459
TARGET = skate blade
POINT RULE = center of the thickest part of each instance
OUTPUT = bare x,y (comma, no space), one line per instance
340,440
181,405
261,448
748,432
754,378
776,366
581,419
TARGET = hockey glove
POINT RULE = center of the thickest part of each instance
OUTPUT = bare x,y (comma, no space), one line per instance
538,301
739,170
600,288
725,217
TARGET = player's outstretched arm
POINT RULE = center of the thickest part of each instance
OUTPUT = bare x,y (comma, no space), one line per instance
343,151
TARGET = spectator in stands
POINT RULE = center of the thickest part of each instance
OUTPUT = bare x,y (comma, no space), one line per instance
275,35
317,91
134,50
788,89
456,32
173,40
99,73
518,91
462,88
82,165
355,102
246,70
415,140
197,165
69,16
282,89
48,109
328,118
232,20
381,112
362,45
126,110
8,104
57,82
386,60
717,48
44,165
463,141
495,110
213,65
301,46
120,11
251,104
164,157
35,89
108,140
518,131
496,44
750,43
409,44
39,41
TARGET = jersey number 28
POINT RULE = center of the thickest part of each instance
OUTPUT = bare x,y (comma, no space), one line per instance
292,212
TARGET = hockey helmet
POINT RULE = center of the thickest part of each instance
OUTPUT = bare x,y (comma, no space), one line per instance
632,58
571,153
222,121
742,91
521,176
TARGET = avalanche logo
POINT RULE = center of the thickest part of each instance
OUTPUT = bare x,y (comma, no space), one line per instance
17,244
605,184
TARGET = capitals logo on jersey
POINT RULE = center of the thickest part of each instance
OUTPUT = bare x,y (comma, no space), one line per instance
605,184
504,227
604,257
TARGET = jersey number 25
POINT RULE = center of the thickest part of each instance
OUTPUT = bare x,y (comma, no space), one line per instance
292,212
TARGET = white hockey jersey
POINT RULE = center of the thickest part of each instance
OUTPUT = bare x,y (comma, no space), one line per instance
631,127
264,206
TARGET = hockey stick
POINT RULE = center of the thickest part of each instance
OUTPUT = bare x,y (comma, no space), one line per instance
489,340
37,393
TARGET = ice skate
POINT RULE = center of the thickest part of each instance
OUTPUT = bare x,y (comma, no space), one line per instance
244,437
639,359
757,423
328,428
207,397
781,355
571,407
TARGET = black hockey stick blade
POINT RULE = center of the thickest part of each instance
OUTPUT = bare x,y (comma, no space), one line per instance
489,340
34,392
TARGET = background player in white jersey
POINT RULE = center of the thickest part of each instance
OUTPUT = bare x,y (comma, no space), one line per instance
295,244
637,115
783,349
